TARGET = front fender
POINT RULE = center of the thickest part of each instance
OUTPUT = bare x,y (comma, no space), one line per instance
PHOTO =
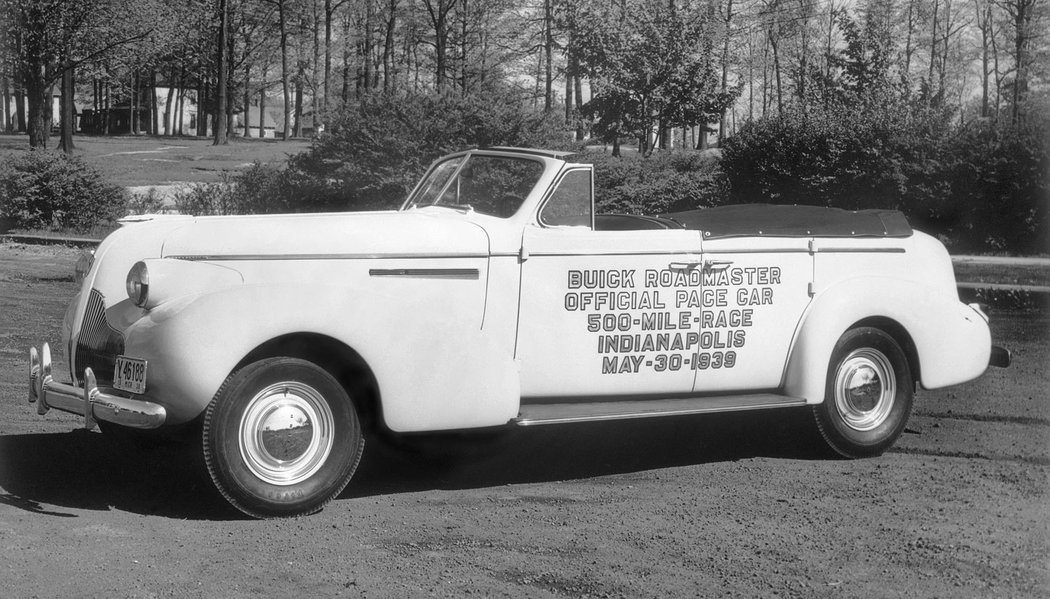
952,341
435,368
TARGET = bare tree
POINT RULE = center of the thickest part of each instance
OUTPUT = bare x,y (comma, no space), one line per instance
1026,16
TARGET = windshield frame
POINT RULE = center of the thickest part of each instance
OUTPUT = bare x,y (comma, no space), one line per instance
424,189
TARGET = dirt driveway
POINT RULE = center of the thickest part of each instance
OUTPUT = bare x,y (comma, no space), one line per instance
741,505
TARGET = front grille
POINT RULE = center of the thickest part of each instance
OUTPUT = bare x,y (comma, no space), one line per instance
99,344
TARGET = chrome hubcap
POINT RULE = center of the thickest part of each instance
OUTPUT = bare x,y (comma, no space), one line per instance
286,433
865,388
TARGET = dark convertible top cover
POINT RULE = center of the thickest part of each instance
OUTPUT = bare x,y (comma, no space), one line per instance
768,220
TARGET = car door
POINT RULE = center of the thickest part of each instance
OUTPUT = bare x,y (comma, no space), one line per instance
594,319
754,293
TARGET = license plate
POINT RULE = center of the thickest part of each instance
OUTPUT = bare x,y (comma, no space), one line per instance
129,374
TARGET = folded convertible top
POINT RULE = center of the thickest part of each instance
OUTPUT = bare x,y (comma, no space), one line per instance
768,220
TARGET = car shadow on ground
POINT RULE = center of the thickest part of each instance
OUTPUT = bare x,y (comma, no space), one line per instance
44,473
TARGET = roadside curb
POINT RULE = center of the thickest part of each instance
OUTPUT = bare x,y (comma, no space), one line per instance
80,242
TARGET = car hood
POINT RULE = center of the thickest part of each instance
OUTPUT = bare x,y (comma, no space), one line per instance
361,234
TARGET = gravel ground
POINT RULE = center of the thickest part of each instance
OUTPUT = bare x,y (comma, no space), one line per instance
743,505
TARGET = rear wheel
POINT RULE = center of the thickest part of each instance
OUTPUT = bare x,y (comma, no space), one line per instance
281,438
869,394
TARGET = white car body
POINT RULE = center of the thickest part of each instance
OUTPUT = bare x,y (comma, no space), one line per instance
448,318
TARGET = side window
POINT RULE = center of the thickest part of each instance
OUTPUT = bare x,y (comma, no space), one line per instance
570,204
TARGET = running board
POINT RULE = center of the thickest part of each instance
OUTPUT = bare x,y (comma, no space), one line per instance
565,413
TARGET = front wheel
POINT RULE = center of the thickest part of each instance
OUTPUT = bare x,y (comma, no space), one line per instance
281,438
869,394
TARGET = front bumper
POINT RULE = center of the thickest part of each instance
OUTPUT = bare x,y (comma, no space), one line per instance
87,401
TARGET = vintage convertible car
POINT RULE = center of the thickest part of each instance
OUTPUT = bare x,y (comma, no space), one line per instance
497,297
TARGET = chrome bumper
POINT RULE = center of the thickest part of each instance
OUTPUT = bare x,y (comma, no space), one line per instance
89,401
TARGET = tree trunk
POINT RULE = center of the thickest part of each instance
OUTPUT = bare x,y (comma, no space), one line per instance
202,108
328,15
20,104
578,92
776,74
154,119
180,106
725,69
568,97
908,47
247,99
39,100
168,128
5,97
1022,14
347,54
364,83
388,48
19,82
68,110
298,106
231,76
285,83
315,99
219,137
439,19
984,22
38,82
262,111
133,121
933,44
548,50
107,97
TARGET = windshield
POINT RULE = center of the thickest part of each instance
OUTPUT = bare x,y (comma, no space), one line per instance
493,185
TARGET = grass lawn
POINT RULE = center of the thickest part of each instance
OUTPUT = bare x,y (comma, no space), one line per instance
133,161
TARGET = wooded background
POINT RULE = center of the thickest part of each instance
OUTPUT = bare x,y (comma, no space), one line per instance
938,108
615,68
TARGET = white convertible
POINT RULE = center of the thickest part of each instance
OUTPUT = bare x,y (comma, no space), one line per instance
496,296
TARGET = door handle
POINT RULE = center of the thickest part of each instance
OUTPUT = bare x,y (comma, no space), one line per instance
716,265
689,263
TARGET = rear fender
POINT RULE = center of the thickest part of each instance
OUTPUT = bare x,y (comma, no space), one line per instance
952,341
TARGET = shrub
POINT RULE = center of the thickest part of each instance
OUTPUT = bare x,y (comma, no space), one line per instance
660,183
979,187
262,189
150,202
377,149
51,190
1000,179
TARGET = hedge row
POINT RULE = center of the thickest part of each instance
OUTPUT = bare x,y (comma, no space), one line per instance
979,187
50,190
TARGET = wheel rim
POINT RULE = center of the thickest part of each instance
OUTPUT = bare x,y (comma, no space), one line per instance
286,433
865,389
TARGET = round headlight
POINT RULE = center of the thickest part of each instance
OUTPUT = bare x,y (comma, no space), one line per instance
84,262
138,284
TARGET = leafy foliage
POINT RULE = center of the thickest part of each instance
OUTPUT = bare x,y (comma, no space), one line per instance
50,190
378,149
375,152
982,187
651,64
661,183
262,189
